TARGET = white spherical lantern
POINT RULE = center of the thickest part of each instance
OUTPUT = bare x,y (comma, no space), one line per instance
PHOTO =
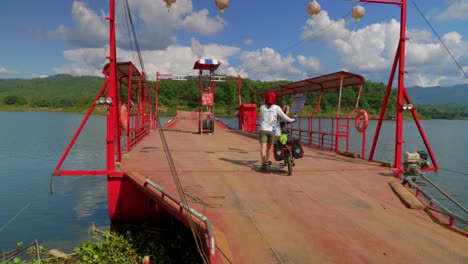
313,8
222,4
169,3
357,12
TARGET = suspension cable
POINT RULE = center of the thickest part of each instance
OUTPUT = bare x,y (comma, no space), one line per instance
125,3
175,176
135,36
441,41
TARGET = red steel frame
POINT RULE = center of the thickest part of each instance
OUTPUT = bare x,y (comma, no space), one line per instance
401,92
139,122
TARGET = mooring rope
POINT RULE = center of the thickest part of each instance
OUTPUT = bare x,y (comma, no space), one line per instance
15,216
175,176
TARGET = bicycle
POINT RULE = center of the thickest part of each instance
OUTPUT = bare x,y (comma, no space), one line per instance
286,141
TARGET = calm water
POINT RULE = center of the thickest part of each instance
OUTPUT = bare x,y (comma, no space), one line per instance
32,143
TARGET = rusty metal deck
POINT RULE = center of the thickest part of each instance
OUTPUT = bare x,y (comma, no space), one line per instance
333,209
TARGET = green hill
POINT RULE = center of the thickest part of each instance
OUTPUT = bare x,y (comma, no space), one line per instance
58,91
70,93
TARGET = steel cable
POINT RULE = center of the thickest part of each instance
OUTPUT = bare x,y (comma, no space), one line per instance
180,190
137,46
125,3
441,41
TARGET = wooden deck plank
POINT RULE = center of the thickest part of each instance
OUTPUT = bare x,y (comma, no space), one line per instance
333,209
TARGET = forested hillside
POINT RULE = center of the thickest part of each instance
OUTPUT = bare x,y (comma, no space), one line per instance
69,93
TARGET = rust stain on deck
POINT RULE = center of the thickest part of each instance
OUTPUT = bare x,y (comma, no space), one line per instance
333,209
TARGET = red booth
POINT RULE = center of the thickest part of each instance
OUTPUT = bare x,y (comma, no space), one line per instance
248,117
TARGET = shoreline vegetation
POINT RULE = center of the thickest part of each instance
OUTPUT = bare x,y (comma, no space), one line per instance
168,241
72,94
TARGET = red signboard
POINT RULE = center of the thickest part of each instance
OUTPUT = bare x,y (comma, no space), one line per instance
207,98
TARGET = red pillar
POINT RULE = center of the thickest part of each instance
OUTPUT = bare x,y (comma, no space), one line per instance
112,92
401,87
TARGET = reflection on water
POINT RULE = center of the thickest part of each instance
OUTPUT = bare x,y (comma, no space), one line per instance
30,147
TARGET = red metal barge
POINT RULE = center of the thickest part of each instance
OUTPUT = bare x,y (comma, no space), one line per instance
334,209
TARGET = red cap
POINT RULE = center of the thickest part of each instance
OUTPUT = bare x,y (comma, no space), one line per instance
270,98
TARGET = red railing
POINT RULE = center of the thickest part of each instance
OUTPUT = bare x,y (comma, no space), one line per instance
322,132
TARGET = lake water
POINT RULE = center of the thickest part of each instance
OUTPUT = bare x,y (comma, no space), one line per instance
32,143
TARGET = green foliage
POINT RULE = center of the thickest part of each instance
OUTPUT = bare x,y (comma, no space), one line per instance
164,242
14,99
68,93
107,249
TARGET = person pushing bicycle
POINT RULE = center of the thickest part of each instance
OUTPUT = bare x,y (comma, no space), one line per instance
268,118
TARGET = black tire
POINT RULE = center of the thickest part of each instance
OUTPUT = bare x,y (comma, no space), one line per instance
288,161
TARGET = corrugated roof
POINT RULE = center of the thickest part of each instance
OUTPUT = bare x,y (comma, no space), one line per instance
123,71
325,82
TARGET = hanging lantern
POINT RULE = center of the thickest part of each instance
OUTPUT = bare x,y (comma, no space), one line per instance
313,8
222,4
169,3
357,12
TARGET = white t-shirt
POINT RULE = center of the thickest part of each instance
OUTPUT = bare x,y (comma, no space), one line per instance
269,116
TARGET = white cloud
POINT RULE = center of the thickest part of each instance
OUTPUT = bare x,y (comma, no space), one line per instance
311,65
90,30
199,22
7,72
457,10
265,64
371,50
85,61
172,60
155,27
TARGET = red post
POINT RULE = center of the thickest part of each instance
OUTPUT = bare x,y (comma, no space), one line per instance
401,87
363,148
157,101
129,96
400,57
200,79
239,100
112,91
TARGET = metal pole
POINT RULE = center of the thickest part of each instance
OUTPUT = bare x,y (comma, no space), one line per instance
129,94
112,115
401,87
200,79
239,101
157,101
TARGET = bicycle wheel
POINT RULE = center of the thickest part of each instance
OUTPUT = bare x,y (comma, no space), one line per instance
288,161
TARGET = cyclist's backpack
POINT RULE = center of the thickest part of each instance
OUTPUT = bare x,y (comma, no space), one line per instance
277,152
297,150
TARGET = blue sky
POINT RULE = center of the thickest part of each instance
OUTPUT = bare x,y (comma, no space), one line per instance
258,39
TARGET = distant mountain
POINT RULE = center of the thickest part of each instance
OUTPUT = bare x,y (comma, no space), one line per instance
457,94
